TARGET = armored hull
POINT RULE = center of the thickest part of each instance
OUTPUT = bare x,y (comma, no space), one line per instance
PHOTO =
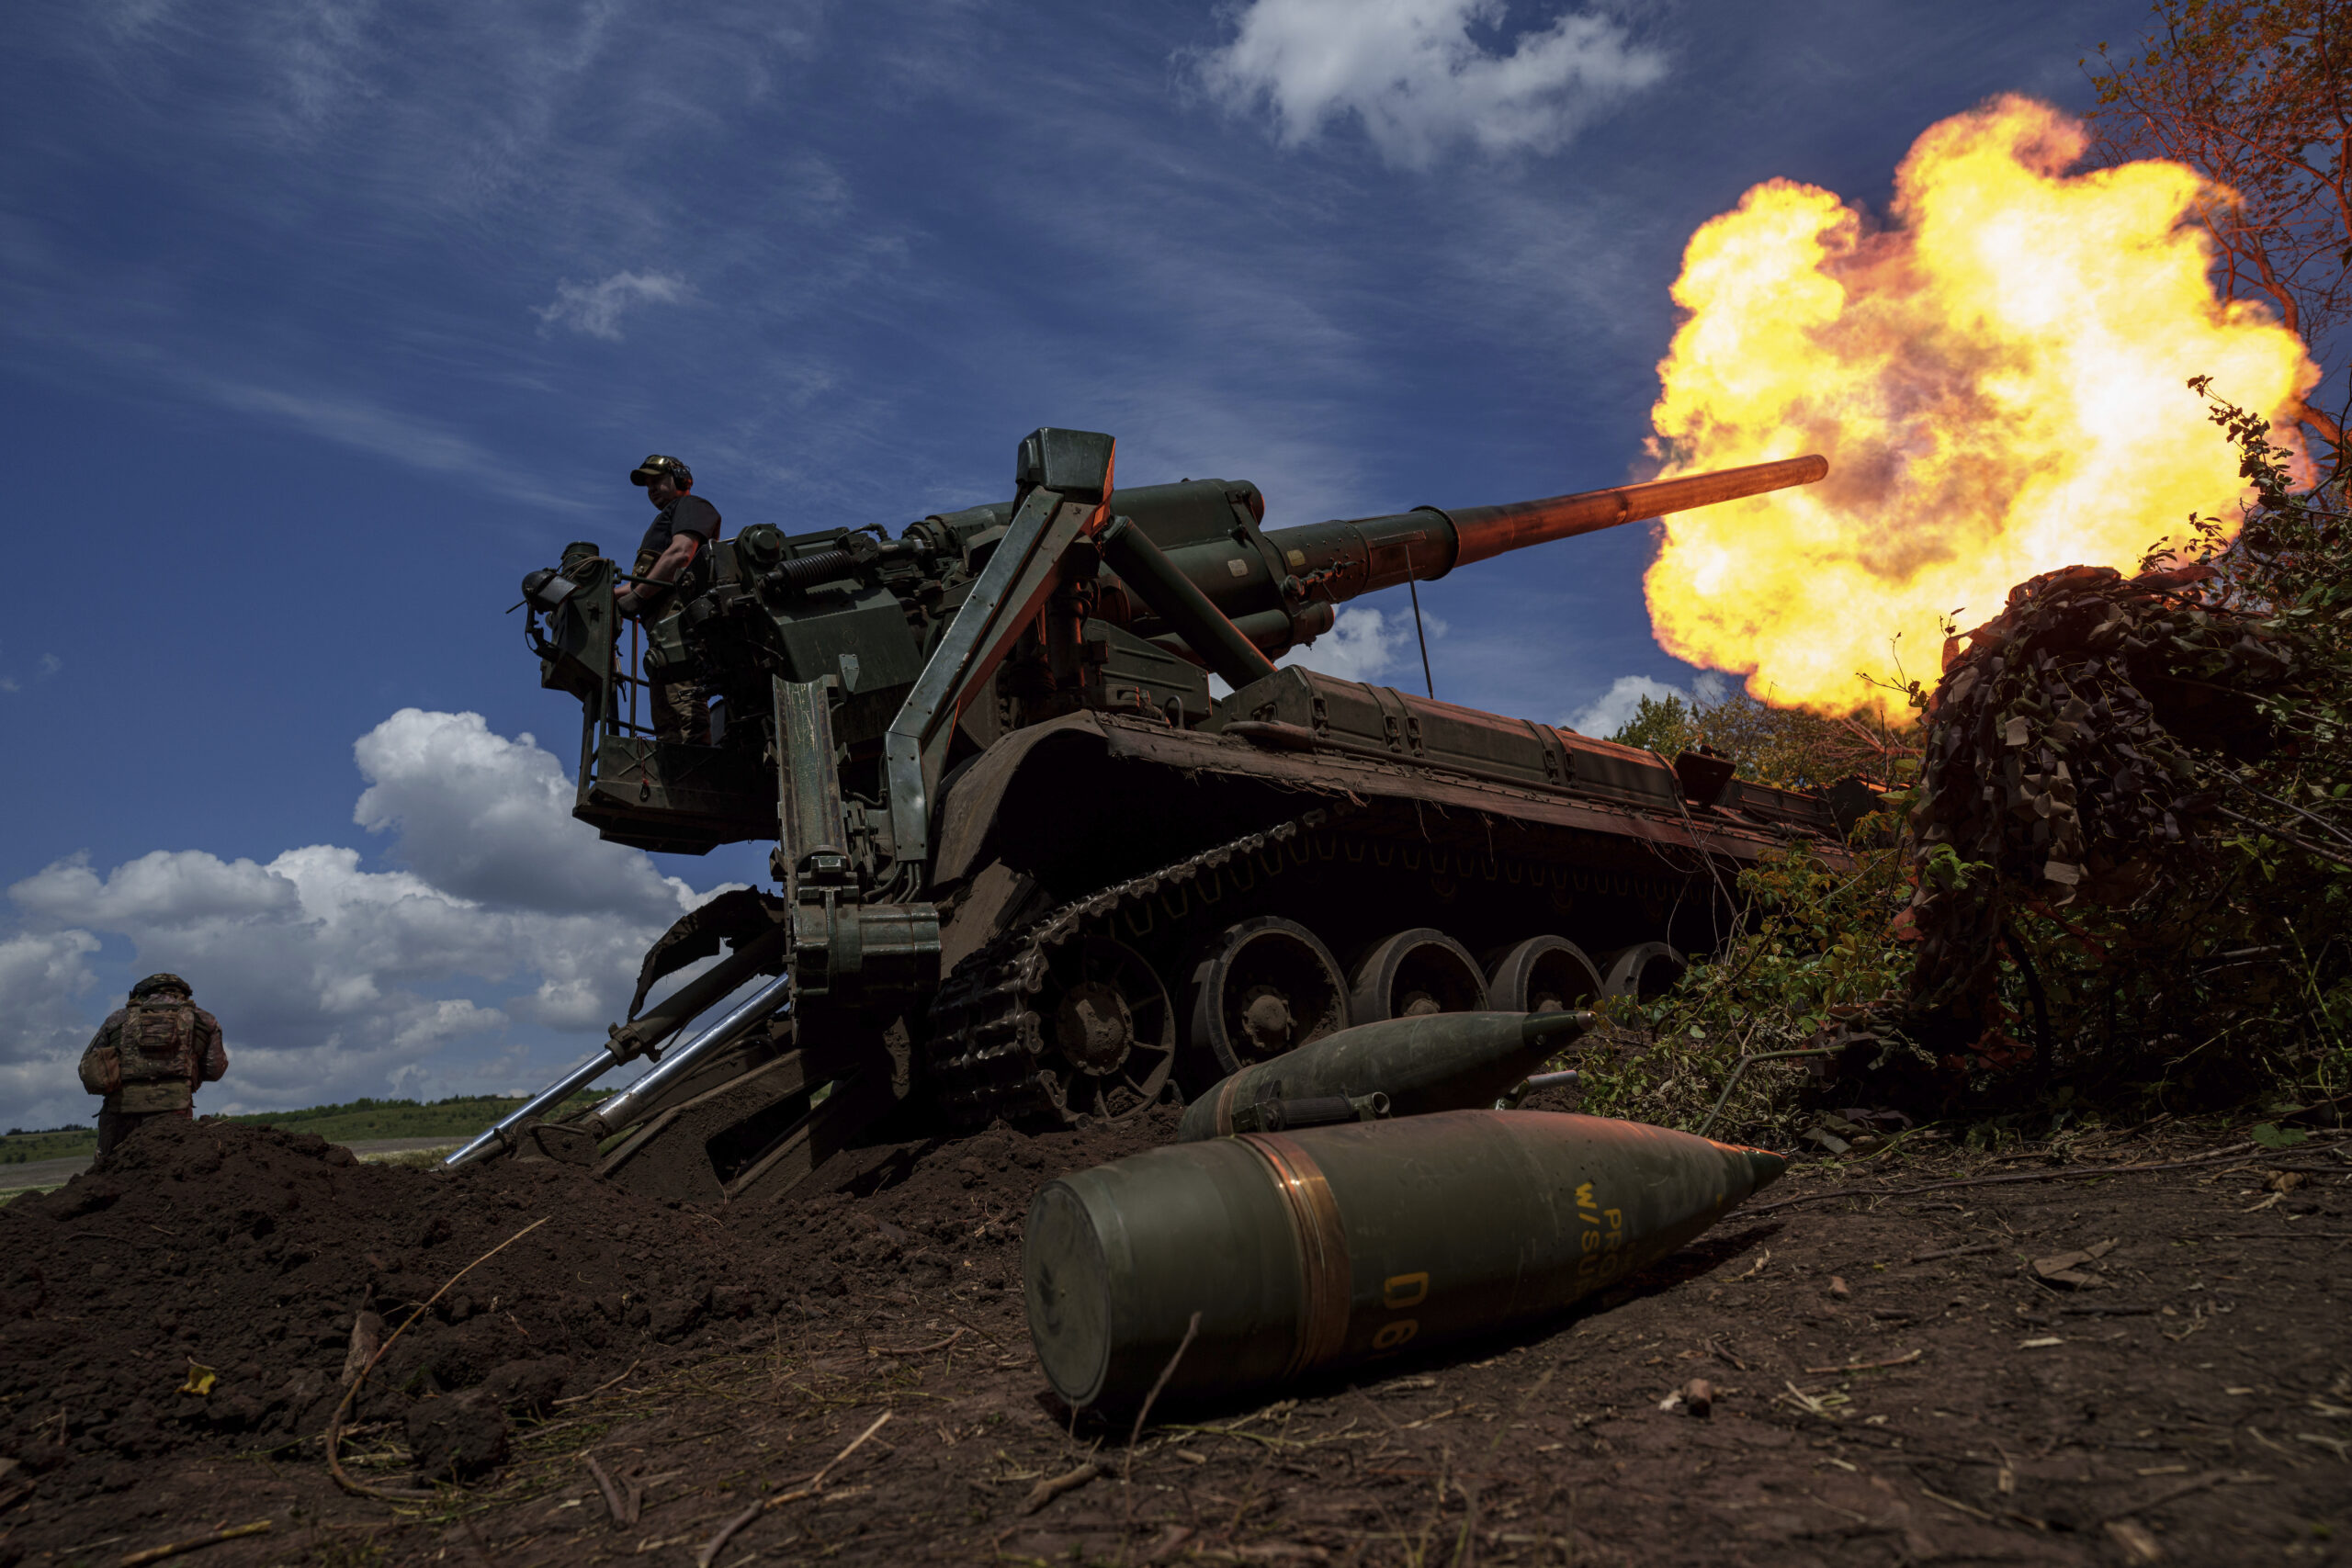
1184,903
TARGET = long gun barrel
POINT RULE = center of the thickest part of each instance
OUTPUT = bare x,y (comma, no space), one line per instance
1373,553
1272,589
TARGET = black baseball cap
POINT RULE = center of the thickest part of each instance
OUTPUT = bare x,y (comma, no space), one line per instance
643,474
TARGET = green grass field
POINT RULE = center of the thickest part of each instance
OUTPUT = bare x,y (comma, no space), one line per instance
361,1119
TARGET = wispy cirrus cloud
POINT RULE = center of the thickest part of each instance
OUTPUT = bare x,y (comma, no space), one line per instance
48,665
597,308
384,145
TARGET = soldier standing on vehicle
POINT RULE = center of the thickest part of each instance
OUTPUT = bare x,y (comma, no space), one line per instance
147,1058
676,550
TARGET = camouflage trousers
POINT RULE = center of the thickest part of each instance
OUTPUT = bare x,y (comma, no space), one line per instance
680,712
681,708
116,1126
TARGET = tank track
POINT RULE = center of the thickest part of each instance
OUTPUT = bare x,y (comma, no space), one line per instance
987,1052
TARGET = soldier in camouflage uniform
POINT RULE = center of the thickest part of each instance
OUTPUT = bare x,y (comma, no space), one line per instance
149,1058
677,549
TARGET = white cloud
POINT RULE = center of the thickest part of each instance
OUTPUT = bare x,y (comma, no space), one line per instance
486,817
325,54
334,981
43,1026
188,886
131,20
1615,708
595,308
356,422
1363,644
1414,75
49,665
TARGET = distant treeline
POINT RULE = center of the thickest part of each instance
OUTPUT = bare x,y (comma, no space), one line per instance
460,1116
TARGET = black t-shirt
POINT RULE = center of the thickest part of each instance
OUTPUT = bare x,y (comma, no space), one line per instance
687,514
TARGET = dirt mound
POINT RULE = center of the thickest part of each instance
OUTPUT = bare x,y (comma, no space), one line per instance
1904,1373
249,1253
909,1212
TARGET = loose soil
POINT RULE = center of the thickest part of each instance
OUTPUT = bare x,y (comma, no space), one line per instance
1894,1381
40,1175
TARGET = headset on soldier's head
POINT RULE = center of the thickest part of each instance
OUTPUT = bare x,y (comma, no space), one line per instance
645,472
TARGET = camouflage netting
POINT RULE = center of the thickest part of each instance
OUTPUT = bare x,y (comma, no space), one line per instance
2070,758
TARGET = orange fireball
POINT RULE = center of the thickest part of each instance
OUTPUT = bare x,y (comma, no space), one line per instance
1998,381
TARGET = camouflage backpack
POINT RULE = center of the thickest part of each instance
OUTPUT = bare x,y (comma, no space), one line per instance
102,1069
158,1041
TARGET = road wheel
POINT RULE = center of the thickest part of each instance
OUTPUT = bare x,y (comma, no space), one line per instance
1543,973
1110,1031
1645,971
1414,974
1265,987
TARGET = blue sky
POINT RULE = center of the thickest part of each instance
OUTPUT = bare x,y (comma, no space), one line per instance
326,320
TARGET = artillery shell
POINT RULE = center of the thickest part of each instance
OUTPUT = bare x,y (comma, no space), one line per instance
1447,1061
1334,1246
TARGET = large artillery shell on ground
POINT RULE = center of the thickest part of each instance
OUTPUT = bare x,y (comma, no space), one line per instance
1447,1061
1334,1246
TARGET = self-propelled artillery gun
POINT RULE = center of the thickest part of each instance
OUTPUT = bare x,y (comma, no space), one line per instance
1032,866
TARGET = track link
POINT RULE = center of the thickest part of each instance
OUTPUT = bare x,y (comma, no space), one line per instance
986,1053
